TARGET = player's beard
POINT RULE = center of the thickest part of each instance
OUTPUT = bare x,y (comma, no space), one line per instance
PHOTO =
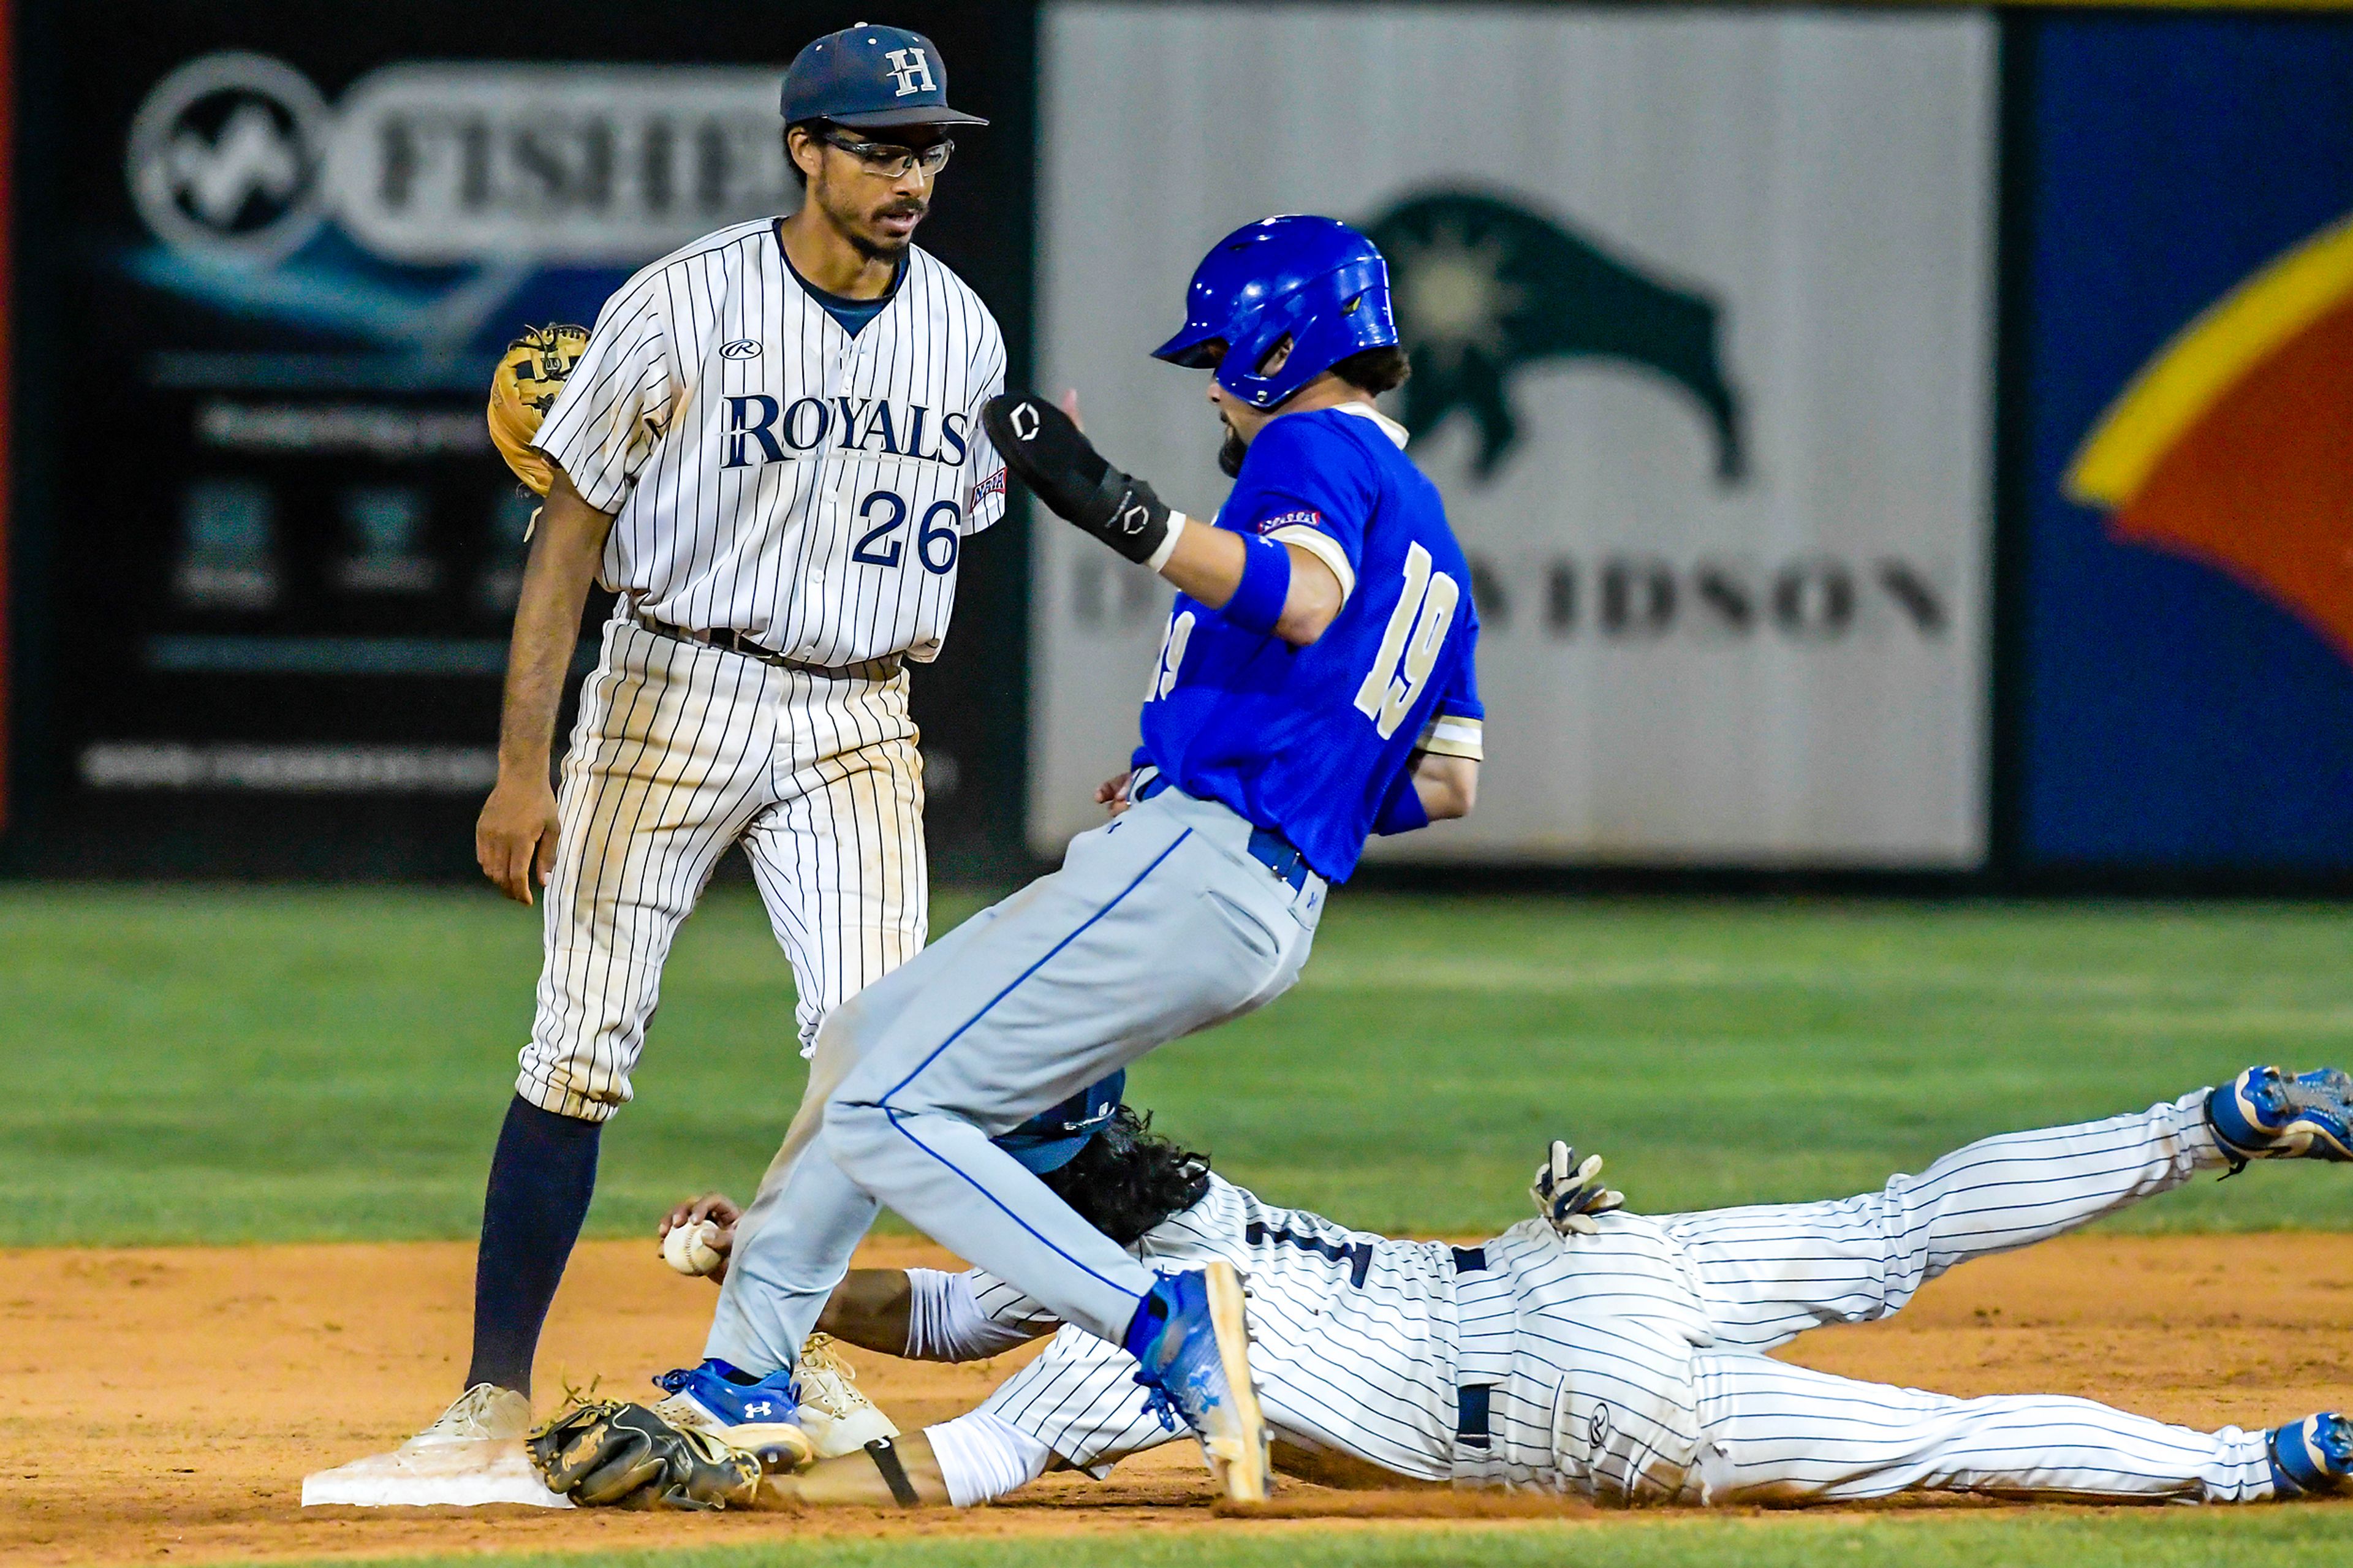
851,224
892,245
1229,453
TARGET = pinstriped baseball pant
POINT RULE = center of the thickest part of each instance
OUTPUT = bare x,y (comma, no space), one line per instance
681,752
1606,1393
1771,1430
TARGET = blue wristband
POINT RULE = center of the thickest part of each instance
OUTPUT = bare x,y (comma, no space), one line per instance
1259,598
1401,809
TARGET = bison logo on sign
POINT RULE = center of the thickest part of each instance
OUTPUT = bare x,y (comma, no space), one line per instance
1484,287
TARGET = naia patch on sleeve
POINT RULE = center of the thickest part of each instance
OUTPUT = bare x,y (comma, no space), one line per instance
1305,517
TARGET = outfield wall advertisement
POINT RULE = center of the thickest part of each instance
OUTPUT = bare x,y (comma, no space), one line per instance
2187,683
1700,312
286,253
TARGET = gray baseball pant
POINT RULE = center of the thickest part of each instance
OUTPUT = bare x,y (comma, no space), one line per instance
1159,923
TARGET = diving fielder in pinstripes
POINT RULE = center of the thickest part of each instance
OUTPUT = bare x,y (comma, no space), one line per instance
770,448
1588,1351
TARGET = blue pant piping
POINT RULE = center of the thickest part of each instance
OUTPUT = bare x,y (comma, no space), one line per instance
894,1115
966,1177
1025,975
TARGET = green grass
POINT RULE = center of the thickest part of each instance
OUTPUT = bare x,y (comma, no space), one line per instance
2152,1538
201,1065
207,1065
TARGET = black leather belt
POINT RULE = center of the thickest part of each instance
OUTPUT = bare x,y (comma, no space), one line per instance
733,641
1268,847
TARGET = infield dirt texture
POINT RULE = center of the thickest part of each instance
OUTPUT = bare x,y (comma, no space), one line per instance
323,1071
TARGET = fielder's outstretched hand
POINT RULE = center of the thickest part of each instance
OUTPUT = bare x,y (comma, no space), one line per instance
1052,456
1569,1193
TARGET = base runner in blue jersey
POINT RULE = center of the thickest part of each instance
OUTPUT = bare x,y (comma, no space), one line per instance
1316,686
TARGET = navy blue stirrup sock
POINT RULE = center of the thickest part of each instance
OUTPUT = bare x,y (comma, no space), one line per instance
541,1180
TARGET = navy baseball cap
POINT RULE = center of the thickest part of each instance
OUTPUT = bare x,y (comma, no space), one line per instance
871,78
1052,1139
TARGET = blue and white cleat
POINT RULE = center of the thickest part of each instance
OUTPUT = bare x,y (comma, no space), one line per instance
1193,1342
760,1417
2264,1115
2313,1454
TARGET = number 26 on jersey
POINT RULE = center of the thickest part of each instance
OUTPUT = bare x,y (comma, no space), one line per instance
883,512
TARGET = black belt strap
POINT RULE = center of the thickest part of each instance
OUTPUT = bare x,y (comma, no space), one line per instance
885,1455
733,641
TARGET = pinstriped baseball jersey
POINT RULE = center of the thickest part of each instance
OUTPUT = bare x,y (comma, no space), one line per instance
1628,1365
1356,1340
770,473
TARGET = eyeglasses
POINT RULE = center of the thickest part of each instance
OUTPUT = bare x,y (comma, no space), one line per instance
889,163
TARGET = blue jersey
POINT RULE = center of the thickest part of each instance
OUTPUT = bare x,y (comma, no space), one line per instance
1310,741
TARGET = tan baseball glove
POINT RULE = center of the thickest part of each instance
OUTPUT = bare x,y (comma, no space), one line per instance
606,1453
530,373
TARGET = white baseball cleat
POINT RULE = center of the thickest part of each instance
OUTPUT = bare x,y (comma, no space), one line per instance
470,1456
834,1411
483,1414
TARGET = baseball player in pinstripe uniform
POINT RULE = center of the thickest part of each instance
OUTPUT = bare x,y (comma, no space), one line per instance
771,449
1590,1351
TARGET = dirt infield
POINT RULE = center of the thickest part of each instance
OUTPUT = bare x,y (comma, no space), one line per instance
166,1404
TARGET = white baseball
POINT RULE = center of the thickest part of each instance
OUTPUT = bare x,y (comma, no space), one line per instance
688,1249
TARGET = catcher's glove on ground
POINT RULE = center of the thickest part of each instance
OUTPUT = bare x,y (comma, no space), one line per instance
524,388
611,1454
1053,458
1568,1194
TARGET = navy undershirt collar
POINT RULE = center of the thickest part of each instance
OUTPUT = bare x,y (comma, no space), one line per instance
851,313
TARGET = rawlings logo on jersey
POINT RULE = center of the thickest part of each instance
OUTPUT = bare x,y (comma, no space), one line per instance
1305,517
742,348
763,429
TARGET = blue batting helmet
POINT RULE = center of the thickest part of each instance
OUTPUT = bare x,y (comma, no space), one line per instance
1312,279
1052,1139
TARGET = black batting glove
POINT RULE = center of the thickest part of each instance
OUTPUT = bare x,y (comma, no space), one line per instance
1055,460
